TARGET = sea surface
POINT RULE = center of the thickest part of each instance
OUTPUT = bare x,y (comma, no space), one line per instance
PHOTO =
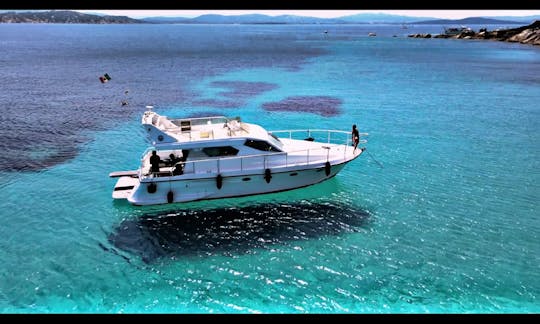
440,214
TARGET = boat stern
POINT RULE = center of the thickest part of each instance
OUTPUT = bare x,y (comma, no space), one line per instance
124,187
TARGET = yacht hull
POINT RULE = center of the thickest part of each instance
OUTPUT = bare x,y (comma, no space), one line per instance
211,187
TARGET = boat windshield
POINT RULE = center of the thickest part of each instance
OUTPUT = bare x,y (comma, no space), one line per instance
274,140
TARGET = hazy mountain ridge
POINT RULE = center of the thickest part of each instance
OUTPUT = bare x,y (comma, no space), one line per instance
468,21
520,19
245,19
68,16
373,18
367,18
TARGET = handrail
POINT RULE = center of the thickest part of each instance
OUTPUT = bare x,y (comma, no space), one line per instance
314,130
257,161
246,162
309,131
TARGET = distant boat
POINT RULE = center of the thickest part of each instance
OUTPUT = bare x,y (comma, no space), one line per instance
453,31
372,34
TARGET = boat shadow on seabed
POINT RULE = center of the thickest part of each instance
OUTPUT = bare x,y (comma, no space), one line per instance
232,231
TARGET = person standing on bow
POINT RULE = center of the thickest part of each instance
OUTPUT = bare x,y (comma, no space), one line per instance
355,137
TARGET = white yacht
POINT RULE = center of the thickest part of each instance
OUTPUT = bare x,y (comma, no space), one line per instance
217,157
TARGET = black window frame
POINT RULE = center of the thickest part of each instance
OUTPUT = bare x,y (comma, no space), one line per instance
261,145
222,151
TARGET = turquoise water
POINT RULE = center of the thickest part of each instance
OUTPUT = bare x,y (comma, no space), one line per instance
440,214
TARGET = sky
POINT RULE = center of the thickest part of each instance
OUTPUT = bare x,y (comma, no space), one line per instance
444,14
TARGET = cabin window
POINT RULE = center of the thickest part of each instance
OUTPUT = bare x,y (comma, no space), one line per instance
261,145
220,151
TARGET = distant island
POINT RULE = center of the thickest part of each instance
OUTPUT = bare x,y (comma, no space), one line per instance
529,34
64,17
74,17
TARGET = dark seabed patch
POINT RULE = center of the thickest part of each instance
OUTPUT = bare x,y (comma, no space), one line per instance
52,95
231,231
322,105
237,93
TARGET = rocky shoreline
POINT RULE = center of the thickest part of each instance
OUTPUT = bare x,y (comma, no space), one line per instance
529,34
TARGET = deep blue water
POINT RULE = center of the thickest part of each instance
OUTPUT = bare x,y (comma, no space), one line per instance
440,215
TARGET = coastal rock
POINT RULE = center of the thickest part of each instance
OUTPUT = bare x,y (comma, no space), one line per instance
420,35
465,35
529,34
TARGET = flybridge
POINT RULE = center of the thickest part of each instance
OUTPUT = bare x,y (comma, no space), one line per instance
161,129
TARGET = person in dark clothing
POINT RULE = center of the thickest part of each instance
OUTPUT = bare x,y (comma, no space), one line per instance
355,137
173,159
178,169
154,162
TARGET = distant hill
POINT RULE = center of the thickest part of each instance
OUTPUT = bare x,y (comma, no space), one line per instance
290,19
63,17
521,19
259,19
374,18
366,18
468,21
166,20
